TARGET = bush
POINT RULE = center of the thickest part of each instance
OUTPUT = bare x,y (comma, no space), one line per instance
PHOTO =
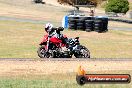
80,2
117,6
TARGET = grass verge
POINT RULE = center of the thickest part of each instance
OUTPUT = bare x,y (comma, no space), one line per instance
55,81
21,39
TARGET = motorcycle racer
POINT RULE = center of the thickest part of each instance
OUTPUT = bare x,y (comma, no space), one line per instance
55,33
56,45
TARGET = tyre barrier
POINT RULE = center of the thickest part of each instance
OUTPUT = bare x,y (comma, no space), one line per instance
89,25
80,24
101,24
72,22
98,24
72,26
86,18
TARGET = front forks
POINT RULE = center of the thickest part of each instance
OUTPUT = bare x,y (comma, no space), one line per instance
47,47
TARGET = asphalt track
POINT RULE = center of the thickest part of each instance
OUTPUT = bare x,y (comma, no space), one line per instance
65,59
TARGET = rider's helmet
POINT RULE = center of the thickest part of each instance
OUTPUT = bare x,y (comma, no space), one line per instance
48,27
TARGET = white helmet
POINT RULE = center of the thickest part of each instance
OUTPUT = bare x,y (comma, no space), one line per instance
48,27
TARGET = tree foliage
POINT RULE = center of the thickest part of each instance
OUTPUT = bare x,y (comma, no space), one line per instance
117,6
80,2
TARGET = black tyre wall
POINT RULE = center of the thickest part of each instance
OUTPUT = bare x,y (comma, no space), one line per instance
89,25
101,24
98,25
80,24
72,22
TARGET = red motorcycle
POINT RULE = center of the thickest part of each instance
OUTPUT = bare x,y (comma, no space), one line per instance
52,47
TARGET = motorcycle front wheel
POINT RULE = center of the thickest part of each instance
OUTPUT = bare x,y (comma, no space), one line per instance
43,54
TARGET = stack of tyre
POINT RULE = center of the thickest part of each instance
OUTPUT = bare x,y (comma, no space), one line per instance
101,24
89,24
72,22
80,24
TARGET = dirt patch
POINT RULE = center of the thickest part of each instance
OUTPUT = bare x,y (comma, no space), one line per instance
35,12
13,68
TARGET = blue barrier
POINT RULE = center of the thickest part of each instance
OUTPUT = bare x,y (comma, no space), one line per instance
65,22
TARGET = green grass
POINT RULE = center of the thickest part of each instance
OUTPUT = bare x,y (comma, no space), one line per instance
21,39
54,81
18,83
